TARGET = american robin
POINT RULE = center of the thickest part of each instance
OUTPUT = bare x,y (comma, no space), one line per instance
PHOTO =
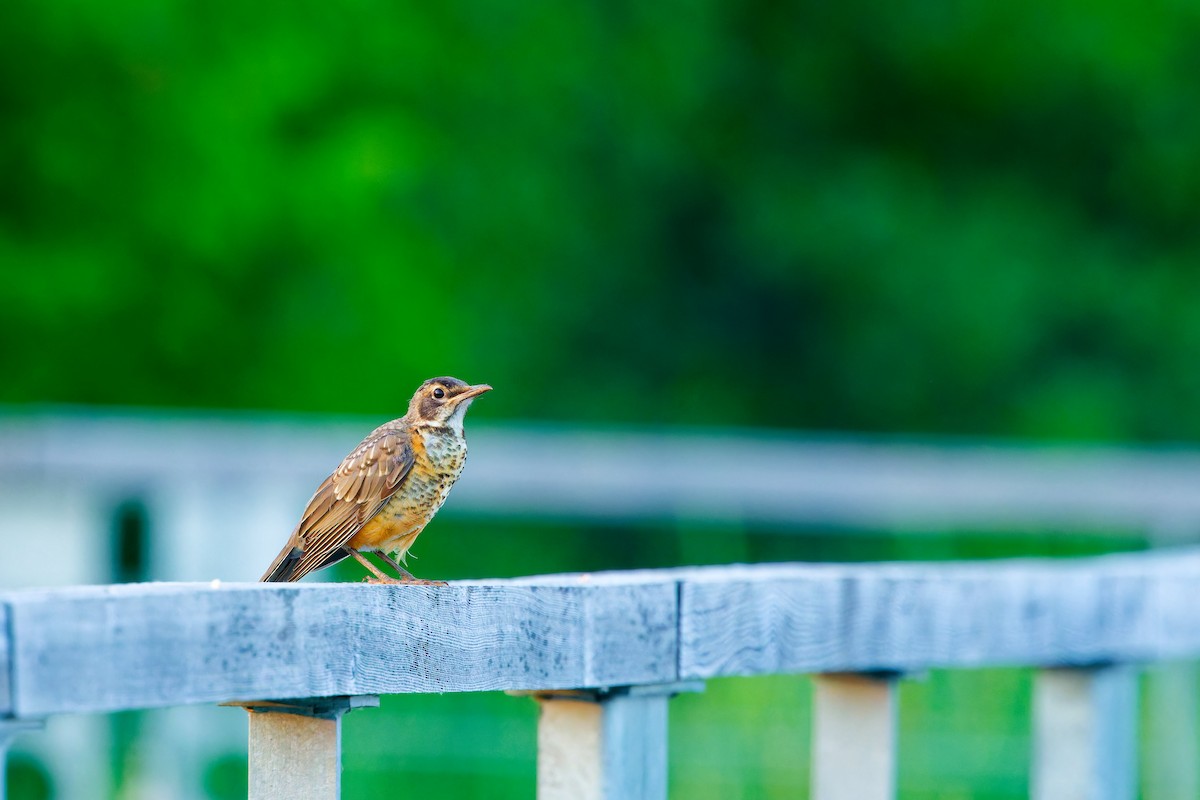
387,489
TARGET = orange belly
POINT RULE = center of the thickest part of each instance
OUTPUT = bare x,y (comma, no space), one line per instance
388,533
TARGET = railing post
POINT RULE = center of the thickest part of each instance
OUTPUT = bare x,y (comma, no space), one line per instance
1085,734
854,737
605,744
296,746
1172,734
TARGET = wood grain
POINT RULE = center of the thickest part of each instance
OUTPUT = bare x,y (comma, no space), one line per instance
95,649
107,648
294,757
882,617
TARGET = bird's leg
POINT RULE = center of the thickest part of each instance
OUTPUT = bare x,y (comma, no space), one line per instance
405,575
380,577
401,571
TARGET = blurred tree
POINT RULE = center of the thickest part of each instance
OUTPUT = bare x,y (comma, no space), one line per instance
950,218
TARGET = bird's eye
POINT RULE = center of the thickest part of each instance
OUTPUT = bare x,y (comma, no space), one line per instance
439,393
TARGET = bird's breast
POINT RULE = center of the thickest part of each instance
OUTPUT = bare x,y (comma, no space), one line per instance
438,460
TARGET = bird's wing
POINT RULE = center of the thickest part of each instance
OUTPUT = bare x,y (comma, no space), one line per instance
344,503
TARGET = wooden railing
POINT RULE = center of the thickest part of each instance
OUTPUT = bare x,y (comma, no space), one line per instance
603,653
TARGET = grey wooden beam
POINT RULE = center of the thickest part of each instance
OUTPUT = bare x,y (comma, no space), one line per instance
136,646
1085,734
96,649
906,617
854,737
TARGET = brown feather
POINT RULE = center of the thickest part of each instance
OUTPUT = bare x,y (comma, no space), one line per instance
345,501
353,488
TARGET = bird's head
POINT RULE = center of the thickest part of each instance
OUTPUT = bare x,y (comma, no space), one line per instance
444,401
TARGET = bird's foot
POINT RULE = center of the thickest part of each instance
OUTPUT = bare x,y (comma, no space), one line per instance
404,582
421,582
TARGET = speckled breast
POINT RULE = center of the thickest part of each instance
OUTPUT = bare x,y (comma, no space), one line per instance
439,457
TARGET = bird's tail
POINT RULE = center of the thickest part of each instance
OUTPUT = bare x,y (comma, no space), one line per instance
284,566
290,564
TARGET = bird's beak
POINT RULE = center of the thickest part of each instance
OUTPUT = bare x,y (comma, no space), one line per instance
474,391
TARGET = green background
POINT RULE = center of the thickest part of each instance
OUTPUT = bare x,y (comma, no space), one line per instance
929,218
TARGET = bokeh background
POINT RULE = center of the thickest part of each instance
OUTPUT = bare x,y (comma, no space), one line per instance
965,218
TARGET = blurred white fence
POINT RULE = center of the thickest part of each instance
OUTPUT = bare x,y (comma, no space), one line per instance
260,462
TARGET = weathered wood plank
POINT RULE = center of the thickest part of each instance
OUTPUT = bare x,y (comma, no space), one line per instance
854,737
633,636
899,617
1085,734
106,648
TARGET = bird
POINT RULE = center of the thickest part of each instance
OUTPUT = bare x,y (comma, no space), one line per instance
386,490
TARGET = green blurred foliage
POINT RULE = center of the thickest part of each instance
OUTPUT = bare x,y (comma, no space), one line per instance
227,778
964,217
26,778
